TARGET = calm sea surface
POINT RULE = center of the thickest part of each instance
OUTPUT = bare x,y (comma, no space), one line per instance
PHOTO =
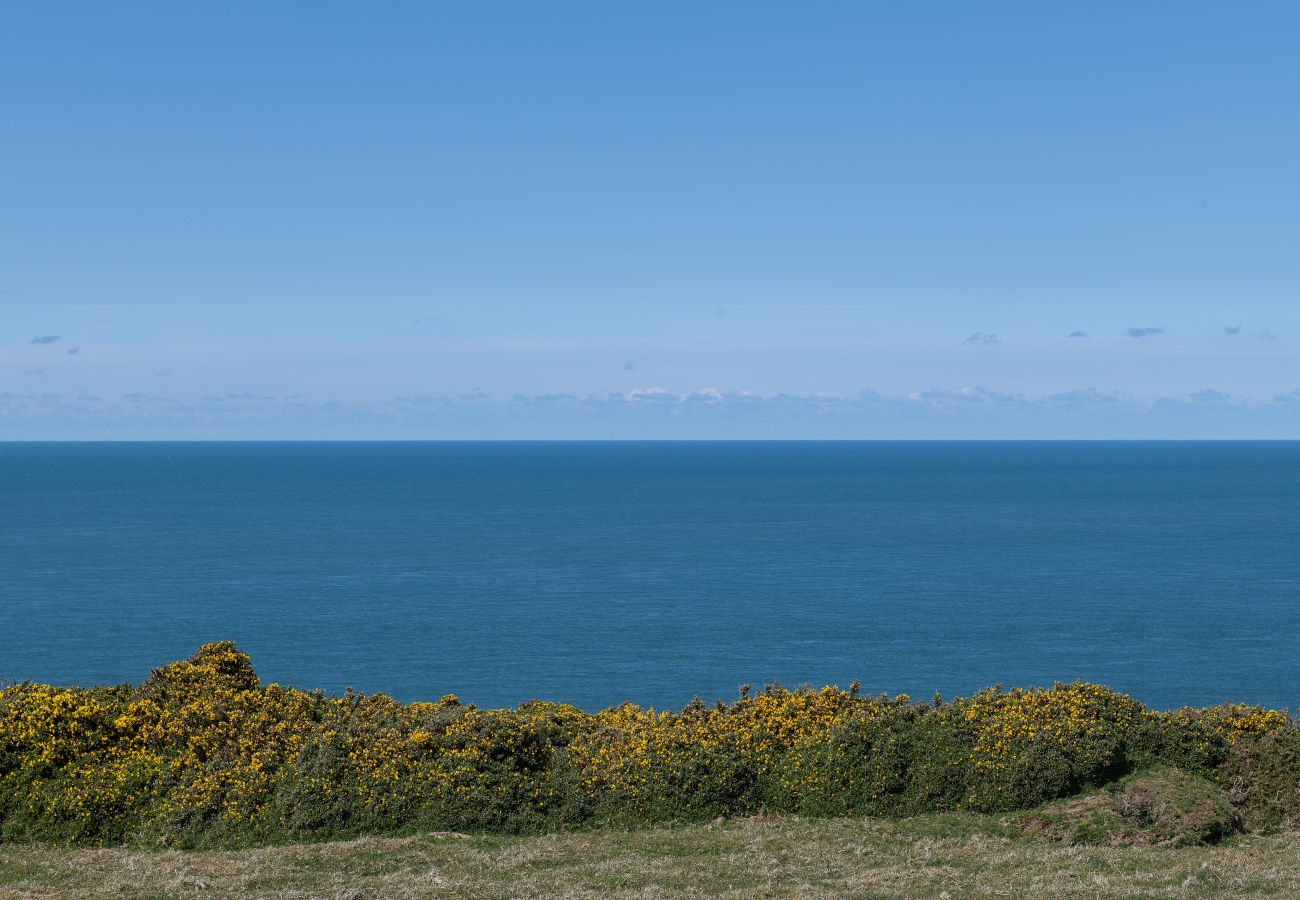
602,572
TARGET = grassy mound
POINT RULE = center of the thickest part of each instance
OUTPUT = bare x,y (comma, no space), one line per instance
1165,807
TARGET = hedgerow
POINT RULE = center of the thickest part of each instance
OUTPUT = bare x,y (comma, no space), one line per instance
202,753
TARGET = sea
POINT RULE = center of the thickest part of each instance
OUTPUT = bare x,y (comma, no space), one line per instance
655,572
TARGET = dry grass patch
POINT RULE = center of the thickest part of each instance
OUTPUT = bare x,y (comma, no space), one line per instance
750,858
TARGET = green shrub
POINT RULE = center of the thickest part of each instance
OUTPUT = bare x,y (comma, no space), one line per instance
902,761
1262,776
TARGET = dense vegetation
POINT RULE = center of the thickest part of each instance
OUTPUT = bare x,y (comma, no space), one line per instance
202,753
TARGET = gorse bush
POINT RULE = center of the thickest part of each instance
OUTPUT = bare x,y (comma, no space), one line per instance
1262,774
202,753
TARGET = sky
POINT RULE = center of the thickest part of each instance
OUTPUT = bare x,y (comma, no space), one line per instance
242,220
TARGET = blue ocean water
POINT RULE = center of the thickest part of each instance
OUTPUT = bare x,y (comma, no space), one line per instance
654,572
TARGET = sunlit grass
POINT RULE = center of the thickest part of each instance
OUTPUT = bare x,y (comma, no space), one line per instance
927,856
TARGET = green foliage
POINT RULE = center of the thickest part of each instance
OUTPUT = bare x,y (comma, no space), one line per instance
1262,776
902,761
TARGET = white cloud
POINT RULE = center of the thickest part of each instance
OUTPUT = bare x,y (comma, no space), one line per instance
967,411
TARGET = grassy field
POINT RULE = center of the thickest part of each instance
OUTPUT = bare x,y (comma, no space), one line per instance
928,856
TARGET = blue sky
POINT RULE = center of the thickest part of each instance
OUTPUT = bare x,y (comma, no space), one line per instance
649,220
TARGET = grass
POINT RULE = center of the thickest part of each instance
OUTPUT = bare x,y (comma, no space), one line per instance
928,856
